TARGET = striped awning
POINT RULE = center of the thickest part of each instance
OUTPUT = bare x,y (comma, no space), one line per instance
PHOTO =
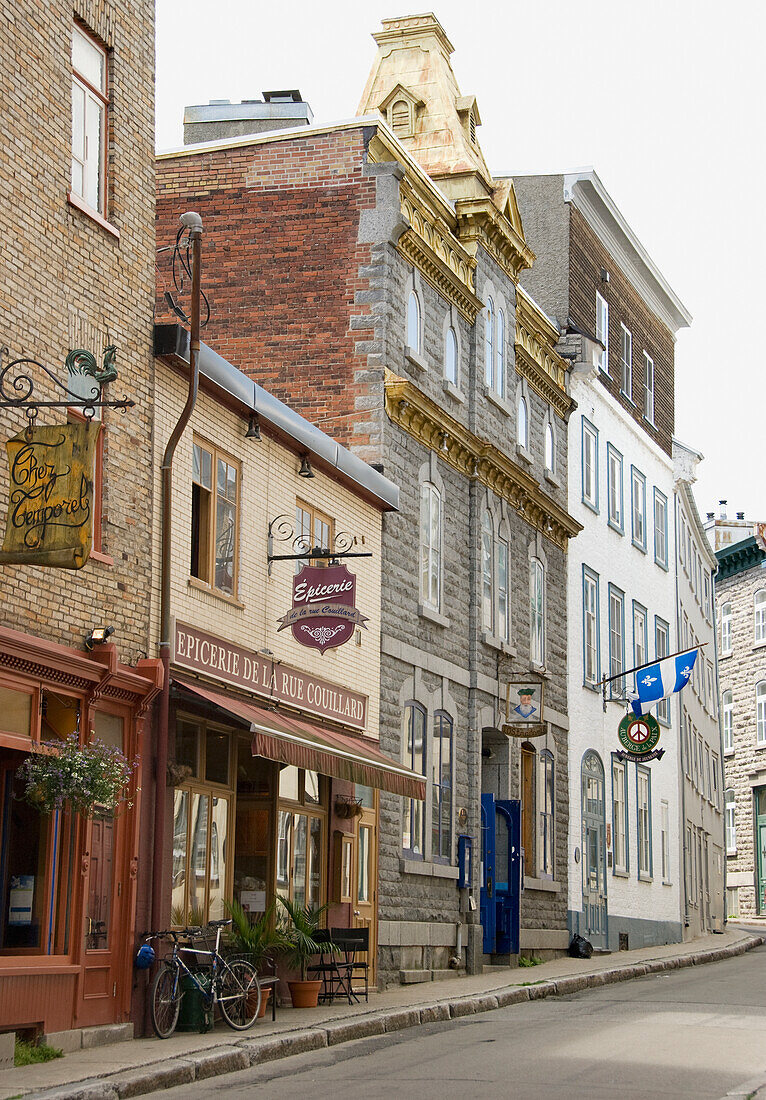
291,740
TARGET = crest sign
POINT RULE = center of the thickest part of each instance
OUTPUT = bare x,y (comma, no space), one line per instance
324,613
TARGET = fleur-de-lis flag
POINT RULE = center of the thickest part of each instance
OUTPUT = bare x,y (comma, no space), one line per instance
661,680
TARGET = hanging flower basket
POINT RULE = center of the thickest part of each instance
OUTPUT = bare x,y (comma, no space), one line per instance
84,776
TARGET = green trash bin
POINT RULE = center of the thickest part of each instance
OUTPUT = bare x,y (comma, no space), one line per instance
194,1016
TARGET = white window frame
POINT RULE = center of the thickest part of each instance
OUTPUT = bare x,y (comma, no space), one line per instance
489,345
522,422
620,817
93,99
616,641
730,818
615,490
487,571
644,821
665,841
591,628
727,714
537,594
760,713
589,465
661,649
759,616
660,529
452,369
546,801
414,321
499,377
726,629
550,448
648,388
503,589
638,508
602,331
626,340
640,637
430,546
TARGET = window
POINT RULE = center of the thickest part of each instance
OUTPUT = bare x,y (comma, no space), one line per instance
602,331
660,529
732,902
300,837
487,578
725,630
716,790
589,465
627,361
489,344
313,529
430,545
760,616
638,507
522,424
730,807
620,815
499,381
495,598
399,116
708,780
760,712
537,615
614,487
616,641
546,803
590,616
528,766
414,825
450,356
550,449
706,596
503,598
665,837
661,643
644,808
413,321
215,505
640,638
727,703
89,120
441,808
649,388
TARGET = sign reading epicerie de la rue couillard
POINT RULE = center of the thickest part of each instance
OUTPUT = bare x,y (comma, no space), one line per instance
50,496
324,612
224,660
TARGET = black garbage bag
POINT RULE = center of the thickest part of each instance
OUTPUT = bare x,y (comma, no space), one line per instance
580,948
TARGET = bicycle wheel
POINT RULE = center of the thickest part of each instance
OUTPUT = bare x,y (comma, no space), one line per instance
165,1000
239,994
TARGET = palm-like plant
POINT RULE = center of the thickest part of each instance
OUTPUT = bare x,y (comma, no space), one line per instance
261,939
299,932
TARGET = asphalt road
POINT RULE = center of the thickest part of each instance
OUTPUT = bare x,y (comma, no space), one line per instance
693,1033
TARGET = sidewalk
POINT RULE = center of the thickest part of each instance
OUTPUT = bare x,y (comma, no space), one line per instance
143,1066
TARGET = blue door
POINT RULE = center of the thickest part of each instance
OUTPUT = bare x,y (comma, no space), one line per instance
500,896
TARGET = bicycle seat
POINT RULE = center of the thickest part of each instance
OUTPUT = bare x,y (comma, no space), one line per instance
218,923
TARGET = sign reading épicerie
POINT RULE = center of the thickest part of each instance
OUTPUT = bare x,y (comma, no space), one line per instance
195,649
50,498
323,614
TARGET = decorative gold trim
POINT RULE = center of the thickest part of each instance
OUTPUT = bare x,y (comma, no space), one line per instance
479,222
430,425
536,357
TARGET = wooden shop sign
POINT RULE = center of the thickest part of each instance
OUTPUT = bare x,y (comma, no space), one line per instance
50,498
639,737
323,614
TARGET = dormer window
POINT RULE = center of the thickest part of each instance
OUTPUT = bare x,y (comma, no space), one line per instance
472,125
400,117
400,110
468,113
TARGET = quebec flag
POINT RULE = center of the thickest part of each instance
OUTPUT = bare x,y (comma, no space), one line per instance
660,680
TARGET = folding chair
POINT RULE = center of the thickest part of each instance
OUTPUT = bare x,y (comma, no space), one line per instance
354,942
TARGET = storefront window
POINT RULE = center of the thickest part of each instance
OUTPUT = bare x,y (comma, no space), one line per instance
300,837
59,716
15,711
187,740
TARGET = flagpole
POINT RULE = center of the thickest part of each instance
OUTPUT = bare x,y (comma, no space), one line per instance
628,671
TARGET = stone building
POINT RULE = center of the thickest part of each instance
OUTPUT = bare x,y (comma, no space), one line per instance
741,618
367,274
701,745
77,270
618,319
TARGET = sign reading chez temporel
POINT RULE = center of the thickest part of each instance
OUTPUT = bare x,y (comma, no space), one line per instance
323,614
223,660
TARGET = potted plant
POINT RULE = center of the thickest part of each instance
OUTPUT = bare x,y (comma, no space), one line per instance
299,931
83,776
260,940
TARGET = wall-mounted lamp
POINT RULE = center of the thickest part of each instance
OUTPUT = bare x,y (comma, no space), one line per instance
604,275
254,427
98,636
305,470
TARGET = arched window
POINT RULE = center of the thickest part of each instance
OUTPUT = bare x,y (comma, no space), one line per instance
725,629
441,808
487,585
550,450
730,808
413,321
499,380
546,802
430,545
503,597
760,615
414,822
727,702
760,712
537,619
400,118
489,344
450,356
522,425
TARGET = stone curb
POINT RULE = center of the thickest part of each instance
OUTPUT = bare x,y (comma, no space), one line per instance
250,1052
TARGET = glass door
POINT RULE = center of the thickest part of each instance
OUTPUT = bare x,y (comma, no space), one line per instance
364,895
594,851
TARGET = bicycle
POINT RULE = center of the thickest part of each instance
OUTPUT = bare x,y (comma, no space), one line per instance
232,984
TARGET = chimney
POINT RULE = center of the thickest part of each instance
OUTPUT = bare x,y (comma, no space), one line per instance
722,505
711,515
220,119
740,515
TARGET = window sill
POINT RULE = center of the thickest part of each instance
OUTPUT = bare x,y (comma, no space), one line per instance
415,358
589,504
645,878
453,391
433,616
498,643
651,423
551,478
84,208
664,883
620,530
628,398
661,565
595,688
759,645
731,853
539,670
202,586
545,885
621,874
523,454
97,555
498,401
428,870
638,546
728,753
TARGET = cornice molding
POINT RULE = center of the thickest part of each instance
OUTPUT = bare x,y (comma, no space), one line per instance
471,456
479,222
536,357
739,558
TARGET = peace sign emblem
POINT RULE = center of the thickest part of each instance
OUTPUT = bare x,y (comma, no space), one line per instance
639,735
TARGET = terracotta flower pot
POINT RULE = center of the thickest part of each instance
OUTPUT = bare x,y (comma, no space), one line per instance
305,994
265,994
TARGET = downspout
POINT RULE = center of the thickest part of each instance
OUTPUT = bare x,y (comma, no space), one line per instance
679,709
192,222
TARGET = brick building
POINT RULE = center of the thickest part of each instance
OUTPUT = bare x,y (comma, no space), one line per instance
77,269
367,273
618,318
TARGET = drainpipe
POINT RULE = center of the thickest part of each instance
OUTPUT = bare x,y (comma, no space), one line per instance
192,222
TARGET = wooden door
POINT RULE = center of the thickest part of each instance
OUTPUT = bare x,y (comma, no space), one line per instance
365,884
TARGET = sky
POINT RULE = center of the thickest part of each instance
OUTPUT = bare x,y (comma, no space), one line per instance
664,98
